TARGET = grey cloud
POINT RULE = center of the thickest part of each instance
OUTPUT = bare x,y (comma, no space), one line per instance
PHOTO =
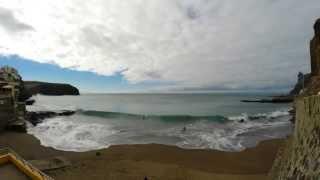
10,23
192,13
153,75
193,44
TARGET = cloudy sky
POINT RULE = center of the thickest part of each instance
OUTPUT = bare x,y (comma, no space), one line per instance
160,44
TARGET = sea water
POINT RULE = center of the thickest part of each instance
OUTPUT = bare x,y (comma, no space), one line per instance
197,121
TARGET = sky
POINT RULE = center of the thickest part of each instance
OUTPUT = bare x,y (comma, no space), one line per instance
159,45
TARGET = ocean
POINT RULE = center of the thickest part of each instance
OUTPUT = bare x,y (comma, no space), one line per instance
194,121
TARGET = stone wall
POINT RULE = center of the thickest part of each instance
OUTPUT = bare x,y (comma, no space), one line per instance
6,111
299,159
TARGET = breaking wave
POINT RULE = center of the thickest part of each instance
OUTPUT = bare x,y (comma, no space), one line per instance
183,118
164,118
91,130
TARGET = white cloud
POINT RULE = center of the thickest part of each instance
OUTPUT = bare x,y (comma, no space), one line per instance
191,43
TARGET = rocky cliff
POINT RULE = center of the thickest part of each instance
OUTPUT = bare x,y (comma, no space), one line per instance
56,89
310,82
300,157
312,86
315,50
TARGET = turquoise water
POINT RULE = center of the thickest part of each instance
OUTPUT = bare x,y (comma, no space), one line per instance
206,121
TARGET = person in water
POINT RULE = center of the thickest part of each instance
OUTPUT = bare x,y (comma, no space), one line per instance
184,129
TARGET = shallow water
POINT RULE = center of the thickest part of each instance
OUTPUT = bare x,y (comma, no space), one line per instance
187,120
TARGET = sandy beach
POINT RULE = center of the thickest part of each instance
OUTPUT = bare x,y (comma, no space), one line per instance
151,160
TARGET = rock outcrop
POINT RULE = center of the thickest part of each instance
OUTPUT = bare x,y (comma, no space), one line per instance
302,82
14,95
312,87
315,50
309,84
276,99
37,117
54,89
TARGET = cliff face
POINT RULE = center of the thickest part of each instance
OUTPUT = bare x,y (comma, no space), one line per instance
315,50
313,86
311,82
300,158
34,87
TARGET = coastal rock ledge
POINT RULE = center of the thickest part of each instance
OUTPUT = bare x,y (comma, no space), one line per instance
53,89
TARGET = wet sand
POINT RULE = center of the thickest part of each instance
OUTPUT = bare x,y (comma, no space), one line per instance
153,161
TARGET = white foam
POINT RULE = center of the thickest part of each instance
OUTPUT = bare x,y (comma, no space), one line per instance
70,135
81,133
243,116
279,113
270,115
233,136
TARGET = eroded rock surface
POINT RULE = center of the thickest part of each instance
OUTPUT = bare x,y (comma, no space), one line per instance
300,157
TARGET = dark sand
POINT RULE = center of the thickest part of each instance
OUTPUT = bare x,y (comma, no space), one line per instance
10,172
151,160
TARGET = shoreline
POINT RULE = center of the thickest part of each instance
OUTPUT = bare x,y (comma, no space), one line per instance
154,161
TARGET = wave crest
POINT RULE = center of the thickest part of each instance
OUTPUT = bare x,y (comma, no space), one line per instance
164,118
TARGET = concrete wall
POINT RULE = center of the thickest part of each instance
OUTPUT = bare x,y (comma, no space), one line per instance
299,159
